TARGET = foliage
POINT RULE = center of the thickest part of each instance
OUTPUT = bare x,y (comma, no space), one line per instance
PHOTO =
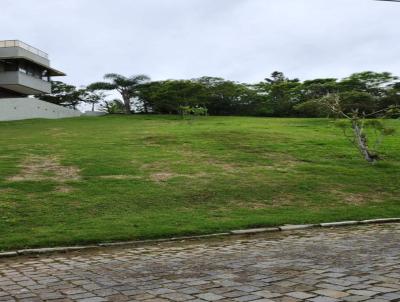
222,97
374,83
64,95
112,107
280,94
360,101
219,96
199,111
277,96
126,86
185,110
312,108
168,96
94,97
188,111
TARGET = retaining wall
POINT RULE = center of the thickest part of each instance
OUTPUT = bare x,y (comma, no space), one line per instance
28,108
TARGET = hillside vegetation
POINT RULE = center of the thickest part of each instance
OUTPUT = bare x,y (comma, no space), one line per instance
84,180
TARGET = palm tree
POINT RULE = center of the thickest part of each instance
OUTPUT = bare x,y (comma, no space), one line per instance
127,87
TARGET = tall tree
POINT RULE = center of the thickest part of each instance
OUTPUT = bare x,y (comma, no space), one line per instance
392,96
222,97
317,88
94,97
168,96
64,95
280,94
374,83
126,86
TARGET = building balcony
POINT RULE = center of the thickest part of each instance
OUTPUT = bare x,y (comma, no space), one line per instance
17,43
14,49
22,83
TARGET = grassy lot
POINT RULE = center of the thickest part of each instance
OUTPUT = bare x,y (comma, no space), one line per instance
112,178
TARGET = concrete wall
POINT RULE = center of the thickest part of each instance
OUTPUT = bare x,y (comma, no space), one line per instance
28,108
18,52
94,113
23,83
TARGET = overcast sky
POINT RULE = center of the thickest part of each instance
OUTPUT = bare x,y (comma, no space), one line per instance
242,40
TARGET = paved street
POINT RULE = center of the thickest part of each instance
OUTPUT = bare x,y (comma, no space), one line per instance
320,265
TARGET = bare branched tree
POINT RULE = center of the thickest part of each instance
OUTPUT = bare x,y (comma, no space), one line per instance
359,122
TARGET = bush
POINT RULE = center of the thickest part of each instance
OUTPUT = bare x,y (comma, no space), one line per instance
313,108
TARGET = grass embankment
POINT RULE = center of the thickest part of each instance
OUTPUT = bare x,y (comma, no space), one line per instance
85,180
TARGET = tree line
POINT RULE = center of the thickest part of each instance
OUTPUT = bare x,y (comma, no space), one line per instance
275,96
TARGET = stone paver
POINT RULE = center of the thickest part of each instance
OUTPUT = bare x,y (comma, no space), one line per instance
359,263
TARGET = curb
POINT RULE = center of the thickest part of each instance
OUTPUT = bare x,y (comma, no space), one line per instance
340,223
293,227
253,231
287,227
122,243
48,250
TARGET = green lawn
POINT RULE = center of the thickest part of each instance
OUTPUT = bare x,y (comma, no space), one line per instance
86,180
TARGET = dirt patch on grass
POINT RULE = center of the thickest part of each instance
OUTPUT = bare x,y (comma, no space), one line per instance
280,164
61,133
196,156
64,189
154,165
286,200
279,168
7,191
224,166
275,202
120,177
190,157
351,198
251,205
280,158
165,176
188,152
275,161
38,168
242,205
359,198
159,140
355,198
161,177
229,167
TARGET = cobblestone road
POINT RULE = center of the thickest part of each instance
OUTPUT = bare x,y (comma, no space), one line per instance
319,265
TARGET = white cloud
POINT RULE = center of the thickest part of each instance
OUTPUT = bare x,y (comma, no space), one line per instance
240,40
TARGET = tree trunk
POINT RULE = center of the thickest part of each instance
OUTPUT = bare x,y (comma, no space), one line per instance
127,103
362,142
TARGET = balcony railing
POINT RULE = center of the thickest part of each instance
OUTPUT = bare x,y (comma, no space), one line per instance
17,43
21,82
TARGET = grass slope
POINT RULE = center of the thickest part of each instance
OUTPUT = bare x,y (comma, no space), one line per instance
85,180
